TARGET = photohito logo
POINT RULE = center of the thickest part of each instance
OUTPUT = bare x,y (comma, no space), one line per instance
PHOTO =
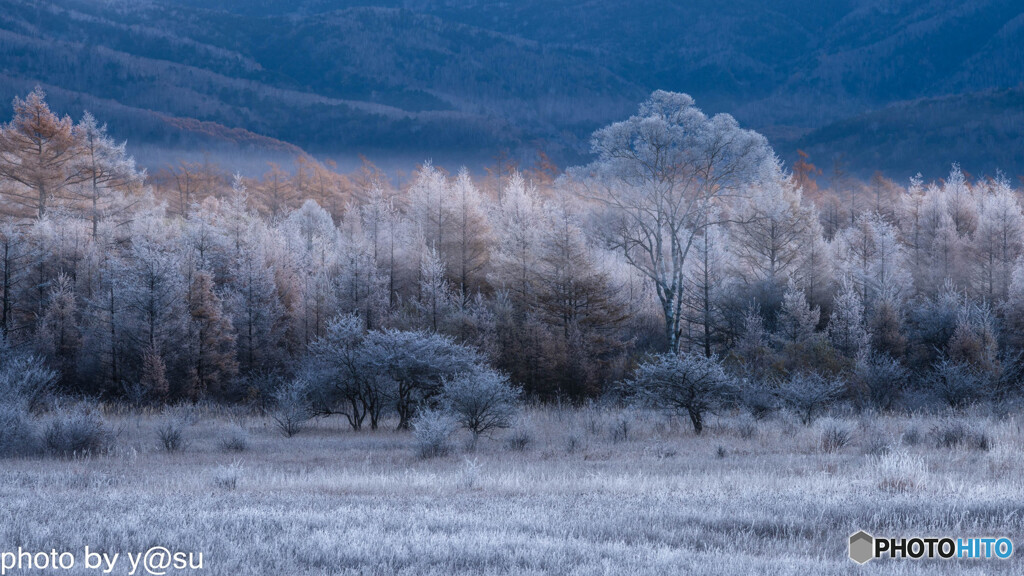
864,547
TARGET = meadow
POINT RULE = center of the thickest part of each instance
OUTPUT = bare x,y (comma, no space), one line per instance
566,491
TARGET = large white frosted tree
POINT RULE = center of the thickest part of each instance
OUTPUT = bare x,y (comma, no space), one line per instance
658,175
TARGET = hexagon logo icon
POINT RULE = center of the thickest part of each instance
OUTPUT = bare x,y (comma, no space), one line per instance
862,547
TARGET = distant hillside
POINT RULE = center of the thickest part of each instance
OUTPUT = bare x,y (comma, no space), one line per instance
418,77
982,131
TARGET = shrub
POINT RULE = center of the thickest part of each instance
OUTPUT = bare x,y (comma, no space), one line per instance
172,436
881,380
956,434
758,400
78,432
25,381
958,384
291,408
433,430
237,441
519,440
833,438
809,394
692,384
482,400
18,435
876,444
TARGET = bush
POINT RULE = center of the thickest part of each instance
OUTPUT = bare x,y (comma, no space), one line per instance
291,408
237,441
809,394
78,432
433,430
18,435
519,440
833,438
172,436
958,384
957,434
758,400
482,400
25,381
692,384
881,380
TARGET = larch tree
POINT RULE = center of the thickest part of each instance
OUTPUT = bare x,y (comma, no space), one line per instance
517,223
772,233
38,151
275,194
212,362
797,320
998,240
846,328
870,256
577,300
704,322
106,170
659,174
58,333
467,251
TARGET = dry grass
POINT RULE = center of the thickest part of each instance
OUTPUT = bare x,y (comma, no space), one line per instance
581,498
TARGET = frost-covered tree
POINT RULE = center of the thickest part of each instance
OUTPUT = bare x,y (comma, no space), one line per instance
254,306
772,234
658,175
467,250
58,334
435,300
704,323
797,321
871,258
106,173
211,352
154,293
343,375
998,240
417,363
692,384
809,393
518,224
482,400
577,300
846,329
12,271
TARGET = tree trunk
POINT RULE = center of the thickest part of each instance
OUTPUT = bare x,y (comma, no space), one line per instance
698,421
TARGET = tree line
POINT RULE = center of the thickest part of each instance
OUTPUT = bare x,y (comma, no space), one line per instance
682,253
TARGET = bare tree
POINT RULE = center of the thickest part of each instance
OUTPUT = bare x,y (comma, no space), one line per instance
659,174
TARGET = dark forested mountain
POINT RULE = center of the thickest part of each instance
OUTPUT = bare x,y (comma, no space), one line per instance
472,76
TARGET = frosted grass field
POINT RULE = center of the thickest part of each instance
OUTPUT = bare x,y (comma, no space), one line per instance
594,492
